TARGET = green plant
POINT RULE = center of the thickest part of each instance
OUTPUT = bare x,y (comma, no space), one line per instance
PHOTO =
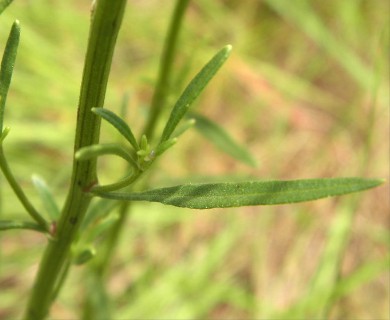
70,231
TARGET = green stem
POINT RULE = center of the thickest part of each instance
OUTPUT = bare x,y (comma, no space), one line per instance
166,63
19,192
158,101
105,25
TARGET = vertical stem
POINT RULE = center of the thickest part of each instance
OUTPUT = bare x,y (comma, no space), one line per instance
166,63
105,24
161,91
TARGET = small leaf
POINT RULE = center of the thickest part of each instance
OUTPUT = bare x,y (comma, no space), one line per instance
224,195
11,224
4,4
97,150
118,123
193,90
144,143
47,197
84,256
221,139
7,63
4,134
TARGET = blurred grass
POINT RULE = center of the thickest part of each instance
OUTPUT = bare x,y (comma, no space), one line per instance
306,89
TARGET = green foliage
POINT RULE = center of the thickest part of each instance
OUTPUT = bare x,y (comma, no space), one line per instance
119,124
193,90
7,67
85,230
225,195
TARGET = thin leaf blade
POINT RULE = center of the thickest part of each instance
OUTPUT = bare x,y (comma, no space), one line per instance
222,140
193,90
224,195
119,124
7,66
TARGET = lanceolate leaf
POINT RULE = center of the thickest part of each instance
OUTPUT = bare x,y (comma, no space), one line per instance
7,64
4,4
193,90
221,139
223,195
119,124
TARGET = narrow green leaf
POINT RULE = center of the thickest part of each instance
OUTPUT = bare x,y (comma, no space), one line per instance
4,4
7,64
97,150
193,90
118,124
223,195
47,197
11,224
221,139
144,145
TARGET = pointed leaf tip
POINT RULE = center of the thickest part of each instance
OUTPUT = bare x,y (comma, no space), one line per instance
193,90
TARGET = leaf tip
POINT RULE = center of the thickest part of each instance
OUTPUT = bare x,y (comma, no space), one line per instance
381,181
4,134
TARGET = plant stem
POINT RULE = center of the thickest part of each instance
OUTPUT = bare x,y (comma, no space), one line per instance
105,24
100,267
163,81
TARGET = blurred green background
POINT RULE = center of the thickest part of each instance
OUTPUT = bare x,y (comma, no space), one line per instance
306,89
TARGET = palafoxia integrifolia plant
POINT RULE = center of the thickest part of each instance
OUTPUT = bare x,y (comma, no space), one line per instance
70,230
